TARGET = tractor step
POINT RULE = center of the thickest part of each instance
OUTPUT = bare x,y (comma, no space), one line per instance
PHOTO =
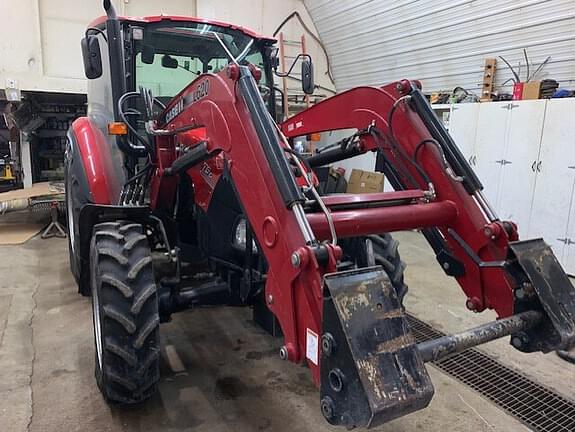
371,369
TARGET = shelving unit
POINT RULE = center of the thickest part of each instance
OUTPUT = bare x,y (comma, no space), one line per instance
48,143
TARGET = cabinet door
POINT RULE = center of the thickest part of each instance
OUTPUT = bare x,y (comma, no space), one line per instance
490,141
463,127
515,194
568,258
555,177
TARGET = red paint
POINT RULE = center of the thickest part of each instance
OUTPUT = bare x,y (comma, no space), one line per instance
98,22
205,178
357,109
297,292
372,198
96,158
352,223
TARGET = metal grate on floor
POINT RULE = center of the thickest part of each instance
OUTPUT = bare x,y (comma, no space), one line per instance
536,406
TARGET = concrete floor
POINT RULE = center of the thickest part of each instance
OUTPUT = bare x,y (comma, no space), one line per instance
219,371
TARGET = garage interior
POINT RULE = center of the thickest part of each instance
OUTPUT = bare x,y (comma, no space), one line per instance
497,79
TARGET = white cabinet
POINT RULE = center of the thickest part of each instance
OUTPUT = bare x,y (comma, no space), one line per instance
519,163
524,154
463,127
552,210
502,146
489,147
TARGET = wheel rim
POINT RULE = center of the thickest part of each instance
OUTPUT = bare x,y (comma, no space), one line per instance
97,325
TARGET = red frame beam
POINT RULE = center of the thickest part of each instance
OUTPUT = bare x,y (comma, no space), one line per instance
360,222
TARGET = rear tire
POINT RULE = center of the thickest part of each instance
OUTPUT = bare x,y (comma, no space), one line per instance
125,311
385,254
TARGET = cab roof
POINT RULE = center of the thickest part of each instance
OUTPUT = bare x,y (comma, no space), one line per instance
178,18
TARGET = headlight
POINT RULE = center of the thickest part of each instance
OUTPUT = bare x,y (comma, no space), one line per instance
239,238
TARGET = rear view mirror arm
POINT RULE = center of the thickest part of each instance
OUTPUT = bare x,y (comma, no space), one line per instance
286,74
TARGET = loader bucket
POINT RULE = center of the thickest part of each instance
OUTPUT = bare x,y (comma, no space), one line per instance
371,369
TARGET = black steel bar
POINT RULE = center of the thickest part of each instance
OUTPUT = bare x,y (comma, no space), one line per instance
439,133
436,349
269,139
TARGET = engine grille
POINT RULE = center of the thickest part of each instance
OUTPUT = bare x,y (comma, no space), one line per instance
536,406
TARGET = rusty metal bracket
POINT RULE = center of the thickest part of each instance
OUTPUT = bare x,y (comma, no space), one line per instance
371,370
544,285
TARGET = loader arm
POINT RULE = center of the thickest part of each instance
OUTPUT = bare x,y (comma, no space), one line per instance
371,110
349,326
239,127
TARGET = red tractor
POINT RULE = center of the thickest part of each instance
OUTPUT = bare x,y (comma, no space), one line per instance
183,191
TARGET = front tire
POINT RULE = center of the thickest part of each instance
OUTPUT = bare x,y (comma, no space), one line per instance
77,196
125,312
379,250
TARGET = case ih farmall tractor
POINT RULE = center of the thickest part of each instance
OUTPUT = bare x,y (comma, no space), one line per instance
183,191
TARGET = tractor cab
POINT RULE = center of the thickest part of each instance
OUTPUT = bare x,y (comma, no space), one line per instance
166,53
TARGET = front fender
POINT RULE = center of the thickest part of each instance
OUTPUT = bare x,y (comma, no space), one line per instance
93,214
102,176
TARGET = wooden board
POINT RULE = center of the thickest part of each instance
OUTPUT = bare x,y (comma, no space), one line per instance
14,232
37,189
17,233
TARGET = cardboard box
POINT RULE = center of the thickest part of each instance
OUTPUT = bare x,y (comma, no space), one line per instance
531,90
364,182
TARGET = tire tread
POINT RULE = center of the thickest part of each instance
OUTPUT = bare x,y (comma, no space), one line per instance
128,311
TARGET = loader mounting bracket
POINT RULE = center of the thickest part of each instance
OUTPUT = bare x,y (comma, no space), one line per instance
371,370
543,284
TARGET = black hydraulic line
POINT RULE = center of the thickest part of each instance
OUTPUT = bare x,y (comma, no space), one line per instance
334,155
269,139
436,349
192,157
452,153
296,14
432,235
149,148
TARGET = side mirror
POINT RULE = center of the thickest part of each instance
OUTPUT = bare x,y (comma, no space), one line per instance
148,54
92,57
169,62
307,83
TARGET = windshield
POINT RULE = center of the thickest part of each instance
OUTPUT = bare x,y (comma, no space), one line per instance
169,57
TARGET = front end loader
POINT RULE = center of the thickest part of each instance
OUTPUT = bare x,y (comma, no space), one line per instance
183,191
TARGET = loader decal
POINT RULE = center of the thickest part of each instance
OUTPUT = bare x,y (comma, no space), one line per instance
201,91
175,110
